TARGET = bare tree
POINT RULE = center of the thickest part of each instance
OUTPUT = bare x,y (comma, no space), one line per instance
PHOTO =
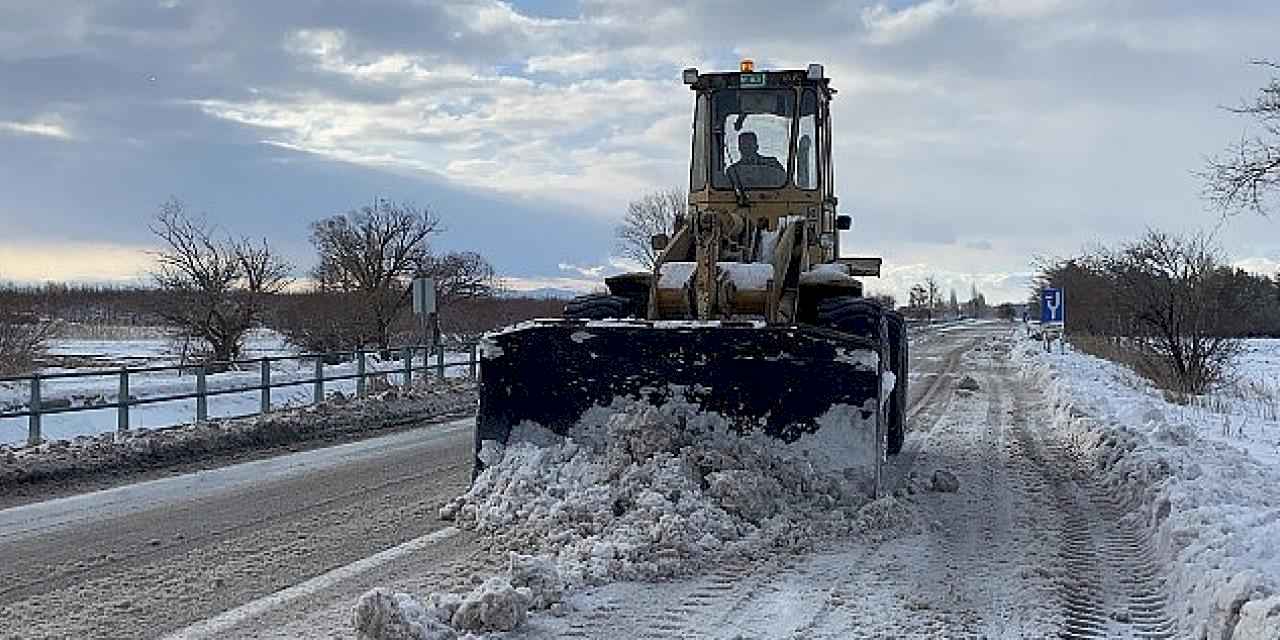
372,253
1247,175
977,302
653,213
934,294
1172,291
24,334
461,276
1006,311
215,287
918,301
1166,305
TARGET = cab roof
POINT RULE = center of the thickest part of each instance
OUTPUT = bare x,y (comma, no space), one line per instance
781,79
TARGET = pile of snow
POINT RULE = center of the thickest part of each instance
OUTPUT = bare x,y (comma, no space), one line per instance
642,492
1208,495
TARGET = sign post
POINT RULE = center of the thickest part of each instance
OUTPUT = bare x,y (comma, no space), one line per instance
424,306
1053,317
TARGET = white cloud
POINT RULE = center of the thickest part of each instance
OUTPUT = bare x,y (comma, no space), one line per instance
1260,265
551,140
1018,9
48,128
589,272
890,26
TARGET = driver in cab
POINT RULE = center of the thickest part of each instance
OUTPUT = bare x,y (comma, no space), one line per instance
753,169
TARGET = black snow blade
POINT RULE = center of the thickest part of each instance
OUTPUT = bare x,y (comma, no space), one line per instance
775,380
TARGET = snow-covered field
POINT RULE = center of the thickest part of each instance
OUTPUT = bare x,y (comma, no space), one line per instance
104,357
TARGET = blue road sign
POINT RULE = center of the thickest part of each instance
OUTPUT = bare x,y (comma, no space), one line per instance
1053,307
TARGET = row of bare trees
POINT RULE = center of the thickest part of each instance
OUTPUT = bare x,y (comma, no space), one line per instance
925,302
217,287
1170,306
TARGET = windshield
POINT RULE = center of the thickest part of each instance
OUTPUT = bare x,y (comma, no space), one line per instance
751,138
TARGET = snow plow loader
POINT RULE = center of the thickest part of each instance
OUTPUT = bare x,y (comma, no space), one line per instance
749,309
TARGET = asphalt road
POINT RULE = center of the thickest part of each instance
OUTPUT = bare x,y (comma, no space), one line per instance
149,559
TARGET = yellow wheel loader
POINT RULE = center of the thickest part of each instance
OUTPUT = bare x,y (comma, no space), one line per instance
749,311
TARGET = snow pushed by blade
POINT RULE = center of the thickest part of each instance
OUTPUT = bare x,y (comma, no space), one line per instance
639,492
643,492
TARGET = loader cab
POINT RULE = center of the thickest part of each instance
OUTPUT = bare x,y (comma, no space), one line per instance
762,138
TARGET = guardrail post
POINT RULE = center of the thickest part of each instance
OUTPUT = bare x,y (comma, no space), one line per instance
408,367
264,404
360,373
318,389
440,361
202,402
122,402
33,421
471,360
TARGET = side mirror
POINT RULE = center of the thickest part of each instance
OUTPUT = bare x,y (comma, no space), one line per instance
659,241
844,223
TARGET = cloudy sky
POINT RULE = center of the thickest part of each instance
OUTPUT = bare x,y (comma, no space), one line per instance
972,135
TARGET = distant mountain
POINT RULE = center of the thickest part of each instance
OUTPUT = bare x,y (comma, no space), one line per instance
544,292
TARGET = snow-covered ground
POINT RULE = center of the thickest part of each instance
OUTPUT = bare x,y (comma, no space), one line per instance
1202,480
1087,506
104,357
145,347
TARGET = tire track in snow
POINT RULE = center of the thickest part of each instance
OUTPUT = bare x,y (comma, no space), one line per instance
1110,587
1025,549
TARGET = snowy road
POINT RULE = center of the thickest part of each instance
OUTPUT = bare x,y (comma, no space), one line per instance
1026,548
141,560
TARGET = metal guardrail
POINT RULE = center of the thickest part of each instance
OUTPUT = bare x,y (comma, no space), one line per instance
36,406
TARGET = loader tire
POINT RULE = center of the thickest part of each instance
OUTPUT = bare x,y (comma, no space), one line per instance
899,364
597,306
866,318
858,316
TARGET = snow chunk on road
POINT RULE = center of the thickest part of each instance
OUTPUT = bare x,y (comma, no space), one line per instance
539,575
944,481
495,605
381,615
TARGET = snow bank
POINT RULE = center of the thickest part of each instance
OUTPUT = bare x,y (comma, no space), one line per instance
1210,500
142,448
642,492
